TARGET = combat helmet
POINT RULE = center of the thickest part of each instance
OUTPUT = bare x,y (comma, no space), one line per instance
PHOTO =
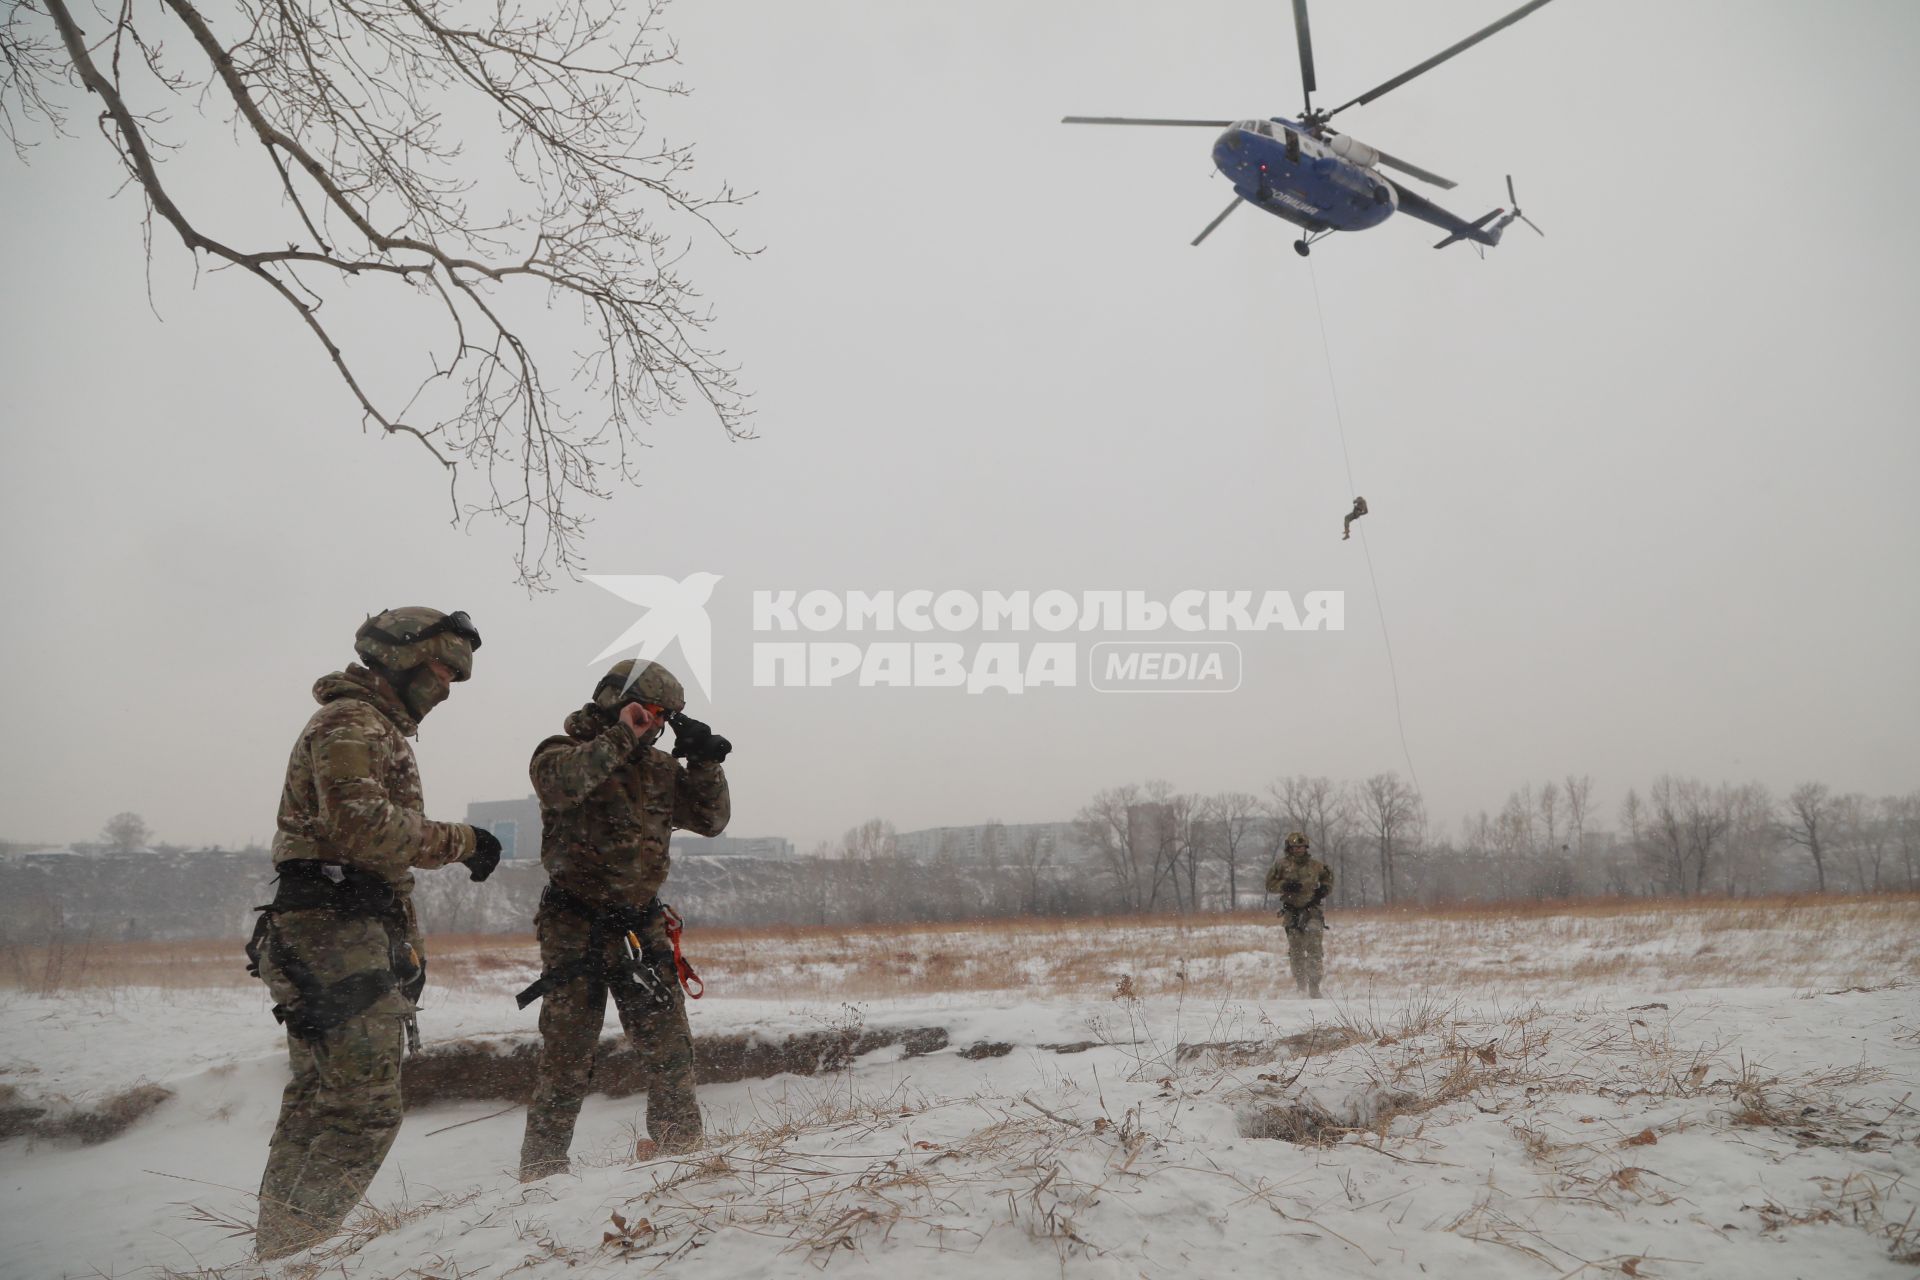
1296,840
400,640
650,683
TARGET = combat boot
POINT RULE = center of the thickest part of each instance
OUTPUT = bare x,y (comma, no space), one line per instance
543,1154
538,1169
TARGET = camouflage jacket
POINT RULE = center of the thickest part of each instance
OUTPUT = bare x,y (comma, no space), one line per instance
608,806
352,793
1300,882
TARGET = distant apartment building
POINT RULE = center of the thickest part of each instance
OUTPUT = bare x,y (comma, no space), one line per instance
516,824
686,844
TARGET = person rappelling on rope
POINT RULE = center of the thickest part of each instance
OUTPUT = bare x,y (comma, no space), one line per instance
1346,526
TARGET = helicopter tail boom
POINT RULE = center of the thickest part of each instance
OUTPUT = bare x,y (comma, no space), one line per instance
1478,230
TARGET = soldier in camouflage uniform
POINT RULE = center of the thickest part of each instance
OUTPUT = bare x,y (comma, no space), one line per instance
609,801
1302,882
340,946
1346,526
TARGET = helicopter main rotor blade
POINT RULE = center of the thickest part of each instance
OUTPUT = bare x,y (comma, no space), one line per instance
1414,170
1529,221
1237,202
1442,56
1305,39
1198,124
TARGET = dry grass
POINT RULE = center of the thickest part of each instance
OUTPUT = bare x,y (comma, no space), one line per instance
1787,942
81,964
1805,942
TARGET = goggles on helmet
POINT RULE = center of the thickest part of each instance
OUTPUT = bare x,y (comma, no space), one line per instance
457,623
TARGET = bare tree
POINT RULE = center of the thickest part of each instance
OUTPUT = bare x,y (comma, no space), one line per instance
126,832
1031,858
1903,816
1181,842
1233,819
816,884
870,872
1863,837
1808,810
1752,839
1471,874
1514,844
1686,821
359,110
1620,869
1551,877
1107,826
1578,791
1392,813
872,841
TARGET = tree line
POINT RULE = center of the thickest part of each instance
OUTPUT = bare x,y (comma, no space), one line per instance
1147,847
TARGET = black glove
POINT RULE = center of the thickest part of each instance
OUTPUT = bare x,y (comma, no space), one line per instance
697,743
485,856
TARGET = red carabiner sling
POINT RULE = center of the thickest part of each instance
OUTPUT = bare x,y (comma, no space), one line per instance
689,980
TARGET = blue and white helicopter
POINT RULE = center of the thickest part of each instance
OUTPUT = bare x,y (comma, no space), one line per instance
1323,181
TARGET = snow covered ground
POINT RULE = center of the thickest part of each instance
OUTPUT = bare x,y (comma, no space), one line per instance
1547,1095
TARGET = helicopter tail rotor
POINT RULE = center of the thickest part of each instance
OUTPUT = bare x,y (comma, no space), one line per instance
1516,215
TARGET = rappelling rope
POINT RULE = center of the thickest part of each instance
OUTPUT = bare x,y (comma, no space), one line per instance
1326,349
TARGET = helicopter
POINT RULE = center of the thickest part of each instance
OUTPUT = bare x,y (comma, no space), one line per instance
1324,181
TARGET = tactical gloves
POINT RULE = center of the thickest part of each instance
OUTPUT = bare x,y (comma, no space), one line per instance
485,856
696,742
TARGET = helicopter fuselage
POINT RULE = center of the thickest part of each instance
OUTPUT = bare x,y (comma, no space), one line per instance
1307,181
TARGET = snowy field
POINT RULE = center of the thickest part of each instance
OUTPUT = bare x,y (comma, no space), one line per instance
1723,1090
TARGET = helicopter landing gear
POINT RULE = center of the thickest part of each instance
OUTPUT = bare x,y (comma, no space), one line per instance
1300,247
1305,243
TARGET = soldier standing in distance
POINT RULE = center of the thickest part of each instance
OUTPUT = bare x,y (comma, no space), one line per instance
609,802
340,946
1303,883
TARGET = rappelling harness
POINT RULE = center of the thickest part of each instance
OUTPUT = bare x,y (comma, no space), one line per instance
350,893
637,962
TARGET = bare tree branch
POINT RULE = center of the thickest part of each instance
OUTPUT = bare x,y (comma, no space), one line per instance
354,103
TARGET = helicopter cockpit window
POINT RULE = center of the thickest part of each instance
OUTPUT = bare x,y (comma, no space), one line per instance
1265,128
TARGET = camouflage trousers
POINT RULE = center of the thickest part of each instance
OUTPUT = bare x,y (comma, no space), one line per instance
338,1117
1305,954
571,1015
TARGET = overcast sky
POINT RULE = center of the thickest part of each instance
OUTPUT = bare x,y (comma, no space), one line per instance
1642,491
